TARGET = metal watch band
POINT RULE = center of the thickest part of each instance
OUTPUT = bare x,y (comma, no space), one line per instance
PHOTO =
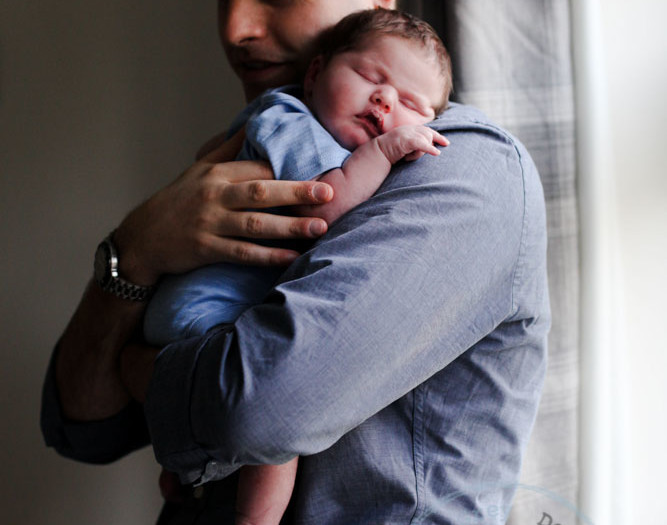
128,291
106,274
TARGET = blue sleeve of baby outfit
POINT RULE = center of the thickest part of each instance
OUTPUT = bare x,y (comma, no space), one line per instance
283,131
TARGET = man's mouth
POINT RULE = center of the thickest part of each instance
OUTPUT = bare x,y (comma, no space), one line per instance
255,63
258,65
258,75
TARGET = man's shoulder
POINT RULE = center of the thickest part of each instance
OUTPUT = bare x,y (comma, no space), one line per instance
461,117
480,140
484,166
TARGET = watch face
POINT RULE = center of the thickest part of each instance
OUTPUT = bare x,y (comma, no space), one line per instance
106,275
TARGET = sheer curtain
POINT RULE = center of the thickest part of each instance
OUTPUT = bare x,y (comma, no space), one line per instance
517,61
604,445
513,60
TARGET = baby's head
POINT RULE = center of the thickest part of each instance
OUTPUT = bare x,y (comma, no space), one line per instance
377,70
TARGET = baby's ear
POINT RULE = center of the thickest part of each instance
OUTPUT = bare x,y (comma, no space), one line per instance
314,70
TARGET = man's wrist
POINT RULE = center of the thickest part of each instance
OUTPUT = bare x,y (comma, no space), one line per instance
108,274
130,265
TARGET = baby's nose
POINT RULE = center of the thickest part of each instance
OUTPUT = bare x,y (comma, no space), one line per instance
384,100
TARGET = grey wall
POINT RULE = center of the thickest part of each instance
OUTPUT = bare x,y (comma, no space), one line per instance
101,103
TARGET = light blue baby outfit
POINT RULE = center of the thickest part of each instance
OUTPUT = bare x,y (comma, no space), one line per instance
281,129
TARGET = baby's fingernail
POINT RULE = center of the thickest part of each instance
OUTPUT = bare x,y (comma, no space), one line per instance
322,192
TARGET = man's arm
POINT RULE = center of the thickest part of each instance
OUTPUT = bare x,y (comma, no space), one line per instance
196,220
368,166
397,290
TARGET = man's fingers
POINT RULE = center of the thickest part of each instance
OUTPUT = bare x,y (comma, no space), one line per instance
241,171
258,225
243,252
270,193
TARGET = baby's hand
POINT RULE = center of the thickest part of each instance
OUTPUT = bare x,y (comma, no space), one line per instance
410,142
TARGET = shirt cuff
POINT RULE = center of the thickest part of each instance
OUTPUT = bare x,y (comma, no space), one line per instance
168,412
101,441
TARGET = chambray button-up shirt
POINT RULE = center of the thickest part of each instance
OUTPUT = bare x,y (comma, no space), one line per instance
401,357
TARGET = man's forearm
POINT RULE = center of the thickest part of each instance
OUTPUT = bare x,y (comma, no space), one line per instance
176,230
87,365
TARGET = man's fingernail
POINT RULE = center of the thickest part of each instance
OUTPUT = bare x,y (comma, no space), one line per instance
288,258
321,192
317,228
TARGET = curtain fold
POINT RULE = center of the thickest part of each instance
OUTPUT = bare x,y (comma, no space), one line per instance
605,449
513,60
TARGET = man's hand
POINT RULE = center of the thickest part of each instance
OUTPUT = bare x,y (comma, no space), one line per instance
410,142
202,218
195,221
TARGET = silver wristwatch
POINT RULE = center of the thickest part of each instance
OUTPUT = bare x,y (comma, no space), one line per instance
106,274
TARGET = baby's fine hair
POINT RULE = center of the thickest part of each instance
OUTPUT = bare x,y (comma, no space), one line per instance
352,32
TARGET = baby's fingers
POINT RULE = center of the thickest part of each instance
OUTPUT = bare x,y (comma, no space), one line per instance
432,138
422,145
414,155
431,150
440,139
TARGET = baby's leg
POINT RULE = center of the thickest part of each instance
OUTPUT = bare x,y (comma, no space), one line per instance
264,492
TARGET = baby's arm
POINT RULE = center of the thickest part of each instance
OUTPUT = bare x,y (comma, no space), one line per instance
368,166
264,492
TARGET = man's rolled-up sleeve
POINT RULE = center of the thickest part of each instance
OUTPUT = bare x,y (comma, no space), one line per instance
398,289
100,441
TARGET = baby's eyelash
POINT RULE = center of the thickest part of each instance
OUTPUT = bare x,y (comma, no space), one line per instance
411,105
369,77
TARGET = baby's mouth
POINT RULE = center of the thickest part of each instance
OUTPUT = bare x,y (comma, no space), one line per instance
373,122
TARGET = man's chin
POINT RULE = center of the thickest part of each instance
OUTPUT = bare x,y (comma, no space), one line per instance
255,84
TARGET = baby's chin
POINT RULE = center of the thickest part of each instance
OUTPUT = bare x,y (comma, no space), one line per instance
351,141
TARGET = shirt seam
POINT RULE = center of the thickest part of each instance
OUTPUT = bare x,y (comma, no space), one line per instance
418,453
522,244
